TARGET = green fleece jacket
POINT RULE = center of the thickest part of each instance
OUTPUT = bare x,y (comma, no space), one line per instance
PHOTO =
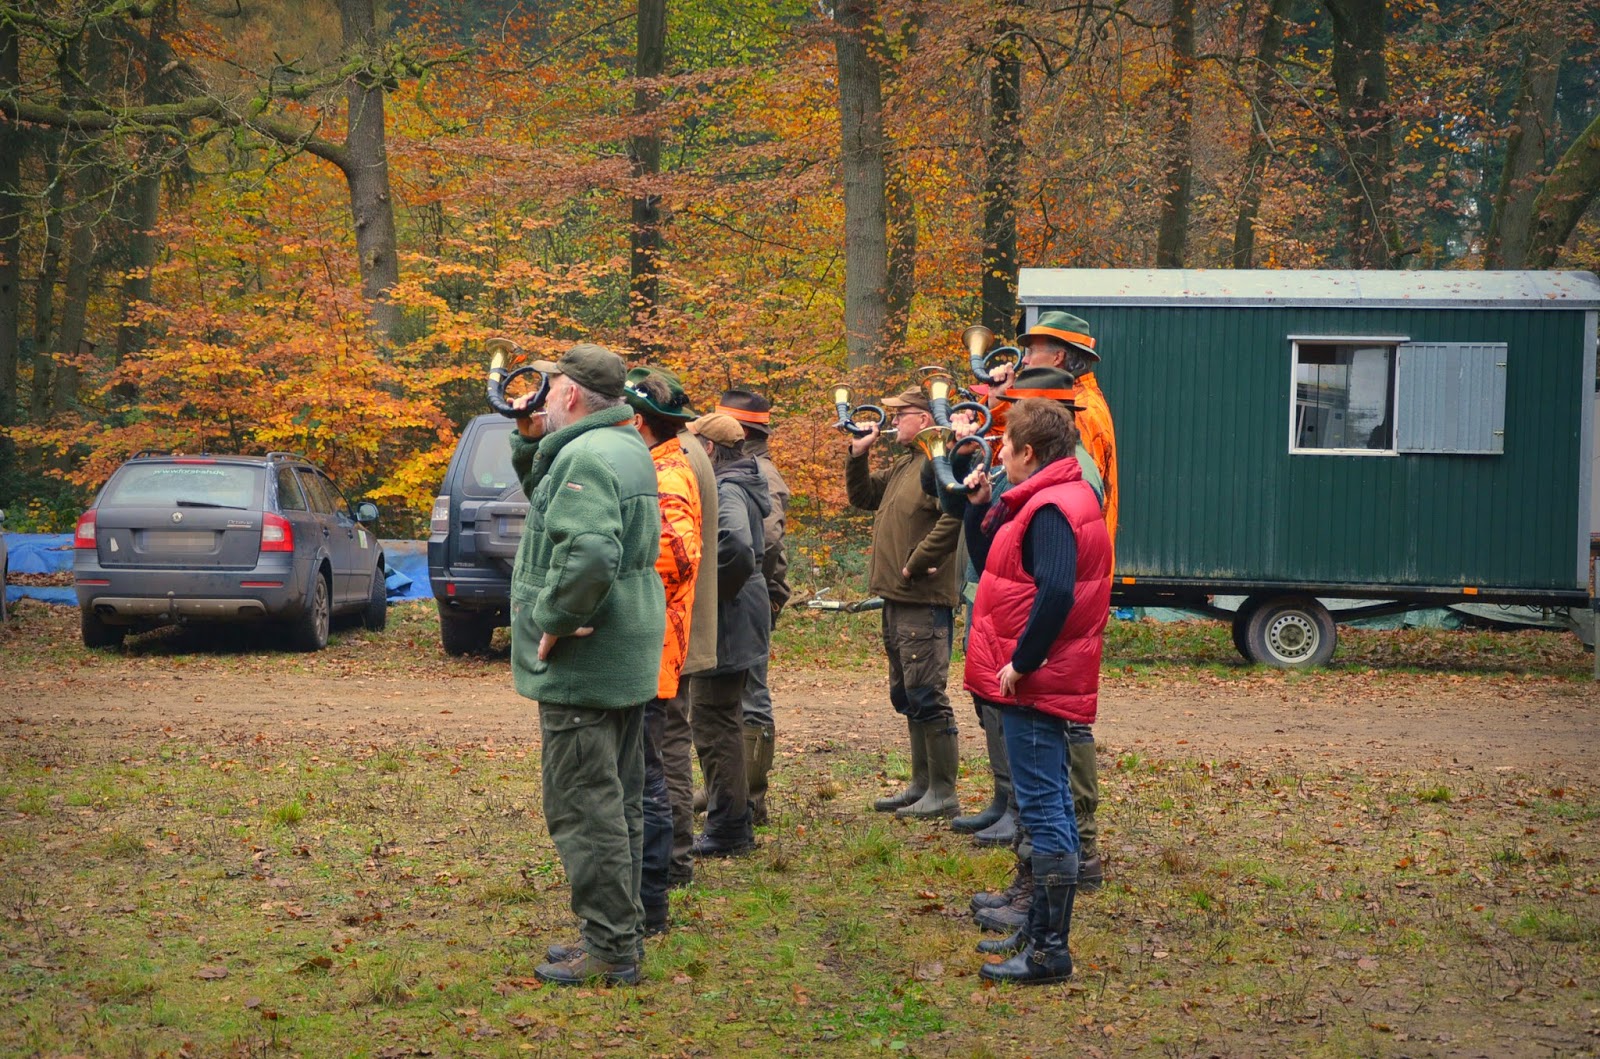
588,558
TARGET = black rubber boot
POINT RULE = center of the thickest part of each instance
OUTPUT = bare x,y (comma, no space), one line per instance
1021,880
994,739
980,819
1045,958
1005,946
919,776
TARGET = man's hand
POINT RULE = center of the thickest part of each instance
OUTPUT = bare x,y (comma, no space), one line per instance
965,424
859,446
905,571
547,642
1009,679
979,488
530,426
1001,374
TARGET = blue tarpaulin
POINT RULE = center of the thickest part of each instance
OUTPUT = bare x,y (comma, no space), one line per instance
51,553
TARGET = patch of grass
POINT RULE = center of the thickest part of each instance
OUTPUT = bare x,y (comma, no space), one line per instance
1434,795
288,814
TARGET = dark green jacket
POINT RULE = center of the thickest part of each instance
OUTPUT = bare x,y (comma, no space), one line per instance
908,531
588,558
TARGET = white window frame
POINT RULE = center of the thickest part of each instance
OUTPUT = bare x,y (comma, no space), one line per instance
1295,342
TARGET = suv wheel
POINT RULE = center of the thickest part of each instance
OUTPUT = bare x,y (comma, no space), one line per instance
309,632
376,614
465,632
97,633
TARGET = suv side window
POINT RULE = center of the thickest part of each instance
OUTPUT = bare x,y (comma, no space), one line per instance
341,506
290,498
321,502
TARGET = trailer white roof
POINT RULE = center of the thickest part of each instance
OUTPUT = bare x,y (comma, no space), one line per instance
1341,287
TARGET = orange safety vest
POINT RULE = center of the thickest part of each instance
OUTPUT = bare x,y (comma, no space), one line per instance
1098,436
679,559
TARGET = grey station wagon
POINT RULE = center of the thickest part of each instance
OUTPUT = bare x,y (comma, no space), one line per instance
177,539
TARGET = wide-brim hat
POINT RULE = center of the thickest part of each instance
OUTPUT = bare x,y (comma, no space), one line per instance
677,403
590,366
749,408
1064,327
1051,384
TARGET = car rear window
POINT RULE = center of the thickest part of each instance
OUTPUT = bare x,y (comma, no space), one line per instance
178,484
489,471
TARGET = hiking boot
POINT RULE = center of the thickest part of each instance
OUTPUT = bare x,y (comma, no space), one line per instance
1091,874
1021,880
582,968
706,845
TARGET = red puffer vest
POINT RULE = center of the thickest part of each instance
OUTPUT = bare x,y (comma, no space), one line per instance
1068,683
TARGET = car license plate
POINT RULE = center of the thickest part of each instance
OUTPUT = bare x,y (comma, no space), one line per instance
180,540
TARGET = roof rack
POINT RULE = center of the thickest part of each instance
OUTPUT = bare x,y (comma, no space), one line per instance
142,453
288,456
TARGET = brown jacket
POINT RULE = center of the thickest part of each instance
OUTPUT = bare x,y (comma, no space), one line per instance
702,653
909,532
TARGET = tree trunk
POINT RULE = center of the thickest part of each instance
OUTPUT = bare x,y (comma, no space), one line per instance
81,223
44,298
645,148
1568,192
901,205
1361,80
1532,118
1172,236
866,238
11,205
367,171
1002,158
136,282
1255,159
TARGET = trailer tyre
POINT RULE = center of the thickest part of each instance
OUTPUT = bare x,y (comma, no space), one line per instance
1290,632
1241,625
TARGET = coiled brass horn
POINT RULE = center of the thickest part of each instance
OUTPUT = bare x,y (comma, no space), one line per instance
937,443
502,375
848,415
977,338
940,384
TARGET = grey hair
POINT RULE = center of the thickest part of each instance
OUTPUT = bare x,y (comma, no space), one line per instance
592,400
722,455
1077,361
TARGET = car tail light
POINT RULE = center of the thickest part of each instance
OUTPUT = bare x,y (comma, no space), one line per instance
276,533
439,521
83,537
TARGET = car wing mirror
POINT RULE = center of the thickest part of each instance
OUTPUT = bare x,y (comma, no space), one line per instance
366,511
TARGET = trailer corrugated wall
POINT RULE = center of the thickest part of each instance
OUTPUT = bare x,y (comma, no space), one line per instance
1202,403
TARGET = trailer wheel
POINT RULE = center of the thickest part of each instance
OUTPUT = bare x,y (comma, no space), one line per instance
1241,625
1290,632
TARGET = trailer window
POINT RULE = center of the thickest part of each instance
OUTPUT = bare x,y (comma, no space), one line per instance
1343,397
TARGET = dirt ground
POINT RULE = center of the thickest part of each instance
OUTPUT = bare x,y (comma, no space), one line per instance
1394,720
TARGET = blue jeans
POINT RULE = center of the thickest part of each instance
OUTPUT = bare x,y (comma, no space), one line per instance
1036,743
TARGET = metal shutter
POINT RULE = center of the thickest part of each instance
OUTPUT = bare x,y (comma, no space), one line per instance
1451,397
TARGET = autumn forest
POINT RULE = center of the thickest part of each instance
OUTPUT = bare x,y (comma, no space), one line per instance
242,225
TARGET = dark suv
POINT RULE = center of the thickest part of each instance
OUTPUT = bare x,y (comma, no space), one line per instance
175,539
473,536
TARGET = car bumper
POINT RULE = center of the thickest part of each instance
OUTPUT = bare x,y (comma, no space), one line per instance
166,596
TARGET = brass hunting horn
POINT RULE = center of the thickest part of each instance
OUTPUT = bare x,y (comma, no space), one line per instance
937,443
977,338
849,420
501,376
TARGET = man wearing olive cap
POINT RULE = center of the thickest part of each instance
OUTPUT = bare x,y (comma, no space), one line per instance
588,616
913,567
744,623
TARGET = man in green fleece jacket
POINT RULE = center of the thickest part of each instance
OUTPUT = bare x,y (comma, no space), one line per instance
588,615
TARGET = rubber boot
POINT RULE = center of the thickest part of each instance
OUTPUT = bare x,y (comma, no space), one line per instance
944,761
1083,776
1045,958
994,738
919,775
1003,832
759,741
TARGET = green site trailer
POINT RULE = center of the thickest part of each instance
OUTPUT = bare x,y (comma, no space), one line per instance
1390,439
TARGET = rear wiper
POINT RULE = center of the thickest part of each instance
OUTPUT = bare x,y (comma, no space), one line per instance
206,503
